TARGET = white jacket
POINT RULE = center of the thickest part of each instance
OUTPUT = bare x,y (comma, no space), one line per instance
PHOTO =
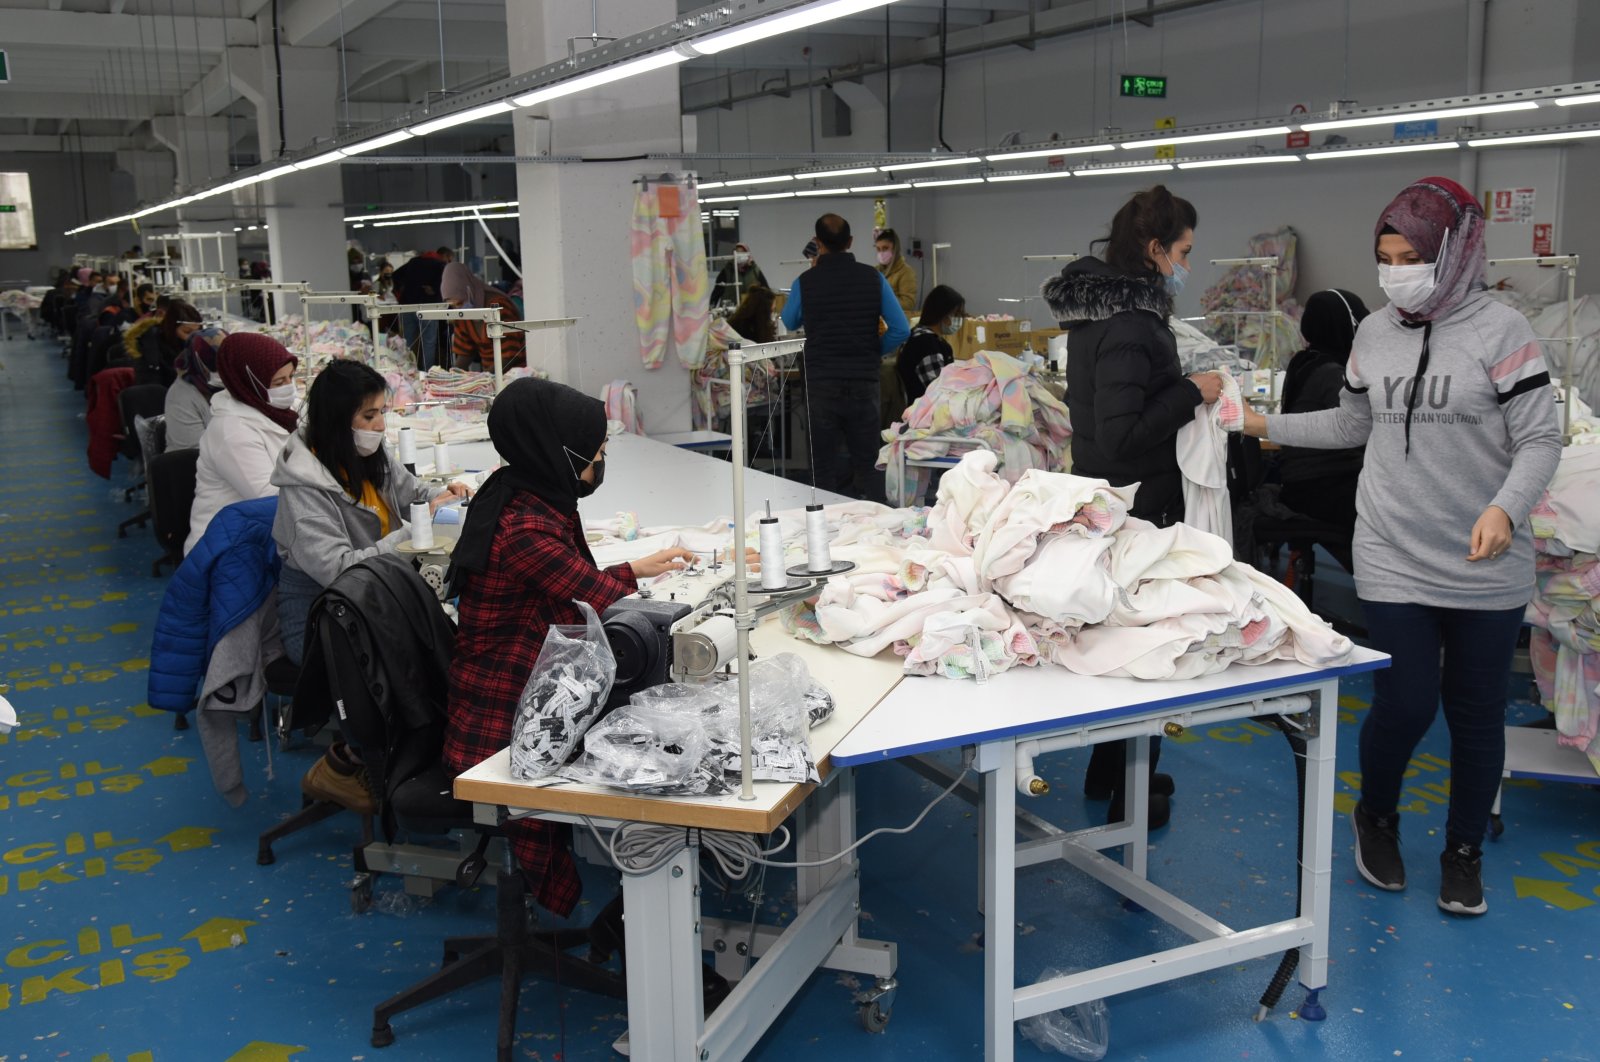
238,452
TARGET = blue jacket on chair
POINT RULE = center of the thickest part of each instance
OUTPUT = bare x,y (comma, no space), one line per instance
220,584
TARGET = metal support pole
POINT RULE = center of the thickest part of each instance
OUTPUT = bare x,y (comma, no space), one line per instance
499,372
743,618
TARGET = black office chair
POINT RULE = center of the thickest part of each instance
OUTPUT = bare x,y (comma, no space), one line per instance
141,400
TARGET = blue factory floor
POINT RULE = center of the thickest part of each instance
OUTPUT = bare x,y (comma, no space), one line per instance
138,927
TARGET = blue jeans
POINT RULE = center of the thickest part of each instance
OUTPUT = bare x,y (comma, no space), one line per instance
845,437
296,592
1477,649
413,330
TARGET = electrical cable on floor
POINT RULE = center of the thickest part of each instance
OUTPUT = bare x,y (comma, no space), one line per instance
639,848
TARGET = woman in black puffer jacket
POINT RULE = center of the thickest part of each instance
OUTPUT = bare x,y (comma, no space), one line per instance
1128,396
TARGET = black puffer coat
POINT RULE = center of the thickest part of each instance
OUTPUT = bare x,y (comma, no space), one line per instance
1125,389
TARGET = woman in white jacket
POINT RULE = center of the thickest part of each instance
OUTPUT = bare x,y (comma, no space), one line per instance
250,422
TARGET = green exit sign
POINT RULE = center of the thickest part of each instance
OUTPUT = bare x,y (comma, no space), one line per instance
8,208
5,69
1144,86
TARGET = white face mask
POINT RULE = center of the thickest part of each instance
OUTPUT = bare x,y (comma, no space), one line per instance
1408,286
741,258
367,442
281,397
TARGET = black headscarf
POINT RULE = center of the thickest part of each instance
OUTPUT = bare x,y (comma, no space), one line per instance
1329,326
547,434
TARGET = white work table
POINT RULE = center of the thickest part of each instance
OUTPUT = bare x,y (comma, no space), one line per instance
1024,713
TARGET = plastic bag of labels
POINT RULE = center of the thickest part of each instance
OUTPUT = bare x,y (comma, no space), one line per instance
1082,1031
703,720
563,697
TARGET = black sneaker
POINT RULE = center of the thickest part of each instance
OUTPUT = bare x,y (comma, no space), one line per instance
1378,849
1461,880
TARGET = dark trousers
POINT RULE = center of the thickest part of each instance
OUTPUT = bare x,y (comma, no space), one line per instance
1472,681
845,438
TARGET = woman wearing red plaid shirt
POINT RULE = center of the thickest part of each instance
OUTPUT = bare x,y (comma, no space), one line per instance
519,565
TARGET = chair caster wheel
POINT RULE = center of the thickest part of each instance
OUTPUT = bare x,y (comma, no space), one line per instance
264,856
874,1018
1497,826
382,1035
470,870
361,903
180,722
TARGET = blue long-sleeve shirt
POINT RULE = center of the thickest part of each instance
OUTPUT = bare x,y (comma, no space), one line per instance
889,309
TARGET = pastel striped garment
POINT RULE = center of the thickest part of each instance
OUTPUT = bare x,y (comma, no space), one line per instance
671,290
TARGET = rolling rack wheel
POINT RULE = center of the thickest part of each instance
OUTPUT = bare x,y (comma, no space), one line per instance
874,1018
361,903
876,1005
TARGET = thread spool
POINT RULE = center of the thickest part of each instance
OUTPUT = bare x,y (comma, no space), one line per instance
773,576
421,526
441,459
408,449
818,558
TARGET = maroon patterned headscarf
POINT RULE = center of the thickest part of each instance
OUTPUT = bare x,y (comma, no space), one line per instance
246,362
1425,213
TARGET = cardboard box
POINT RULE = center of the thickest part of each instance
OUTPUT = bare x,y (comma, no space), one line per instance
1007,337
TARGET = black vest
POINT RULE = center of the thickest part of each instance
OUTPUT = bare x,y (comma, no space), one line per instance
840,300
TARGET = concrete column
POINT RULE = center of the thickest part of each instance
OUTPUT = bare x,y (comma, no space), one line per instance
575,217
303,211
153,173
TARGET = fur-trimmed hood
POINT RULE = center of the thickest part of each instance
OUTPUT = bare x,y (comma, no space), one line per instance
1090,290
130,337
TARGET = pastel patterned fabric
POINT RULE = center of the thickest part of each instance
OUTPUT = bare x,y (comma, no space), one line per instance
671,291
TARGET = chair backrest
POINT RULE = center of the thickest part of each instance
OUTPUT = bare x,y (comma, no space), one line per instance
140,400
170,486
152,435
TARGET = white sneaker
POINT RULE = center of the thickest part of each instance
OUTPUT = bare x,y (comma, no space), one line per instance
620,1045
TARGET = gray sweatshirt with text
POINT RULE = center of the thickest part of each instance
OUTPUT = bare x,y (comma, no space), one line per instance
1483,431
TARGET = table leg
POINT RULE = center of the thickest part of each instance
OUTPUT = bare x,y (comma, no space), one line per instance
1136,805
997,761
1316,856
665,1008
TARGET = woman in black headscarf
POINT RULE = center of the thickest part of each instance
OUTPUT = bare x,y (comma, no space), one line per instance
519,565
1321,484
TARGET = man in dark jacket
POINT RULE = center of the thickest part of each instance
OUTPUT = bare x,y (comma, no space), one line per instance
839,302
415,282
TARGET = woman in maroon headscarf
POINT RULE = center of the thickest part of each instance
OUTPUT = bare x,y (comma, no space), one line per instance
1448,391
251,419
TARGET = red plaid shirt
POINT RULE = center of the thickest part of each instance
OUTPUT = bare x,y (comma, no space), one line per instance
538,565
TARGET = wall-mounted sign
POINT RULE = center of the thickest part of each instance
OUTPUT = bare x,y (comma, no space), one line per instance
1512,205
1416,130
1544,238
1144,86
1296,141
1166,151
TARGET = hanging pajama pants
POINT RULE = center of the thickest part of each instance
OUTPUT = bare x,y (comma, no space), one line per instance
671,291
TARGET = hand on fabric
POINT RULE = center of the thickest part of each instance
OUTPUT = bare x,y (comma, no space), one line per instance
1491,535
454,492
667,560
1255,424
1210,385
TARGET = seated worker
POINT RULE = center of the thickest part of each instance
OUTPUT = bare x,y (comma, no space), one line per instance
471,347
737,277
188,405
155,343
520,562
927,352
251,419
341,497
752,322
1321,484
901,277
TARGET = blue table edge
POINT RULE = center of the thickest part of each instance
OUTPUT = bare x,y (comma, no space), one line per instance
1044,726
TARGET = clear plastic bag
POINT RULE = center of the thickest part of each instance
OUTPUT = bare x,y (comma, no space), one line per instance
566,693
1082,1031
645,750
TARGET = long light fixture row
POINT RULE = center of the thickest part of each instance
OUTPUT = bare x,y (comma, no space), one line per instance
803,15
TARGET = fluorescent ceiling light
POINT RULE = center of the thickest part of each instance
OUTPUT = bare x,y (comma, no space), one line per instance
1143,168
460,118
274,174
238,228
1043,175
1206,138
706,186
929,164
946,184
773,195
725,199
1087,149
251,228
456,209
881,187
1533,138
1418,116
319,160
824,191
760,180
1248,160
644,65
451,220
1578,101
377,142
1401,149
810,15
817,175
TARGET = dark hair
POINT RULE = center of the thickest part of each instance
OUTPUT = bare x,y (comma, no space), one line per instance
142,290
753,318
892,236
833,232
446,250
1154,214
336,397
177,313
942,301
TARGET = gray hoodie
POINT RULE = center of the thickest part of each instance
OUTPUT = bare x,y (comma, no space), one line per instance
1483,432
320,529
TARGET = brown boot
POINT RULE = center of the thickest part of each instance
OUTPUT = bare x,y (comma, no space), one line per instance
337,778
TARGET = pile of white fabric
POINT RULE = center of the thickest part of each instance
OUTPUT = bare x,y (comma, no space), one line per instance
1054,571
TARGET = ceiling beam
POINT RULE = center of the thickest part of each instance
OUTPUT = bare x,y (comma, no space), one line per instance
417,39
20,27
214,92
319,23
54,104
63,144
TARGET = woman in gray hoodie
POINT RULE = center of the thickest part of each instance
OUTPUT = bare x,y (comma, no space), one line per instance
1448,392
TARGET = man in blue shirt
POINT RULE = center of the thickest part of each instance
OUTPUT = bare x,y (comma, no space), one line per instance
839,301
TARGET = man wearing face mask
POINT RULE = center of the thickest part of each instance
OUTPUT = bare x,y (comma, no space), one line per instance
901,277
928,351
737,277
